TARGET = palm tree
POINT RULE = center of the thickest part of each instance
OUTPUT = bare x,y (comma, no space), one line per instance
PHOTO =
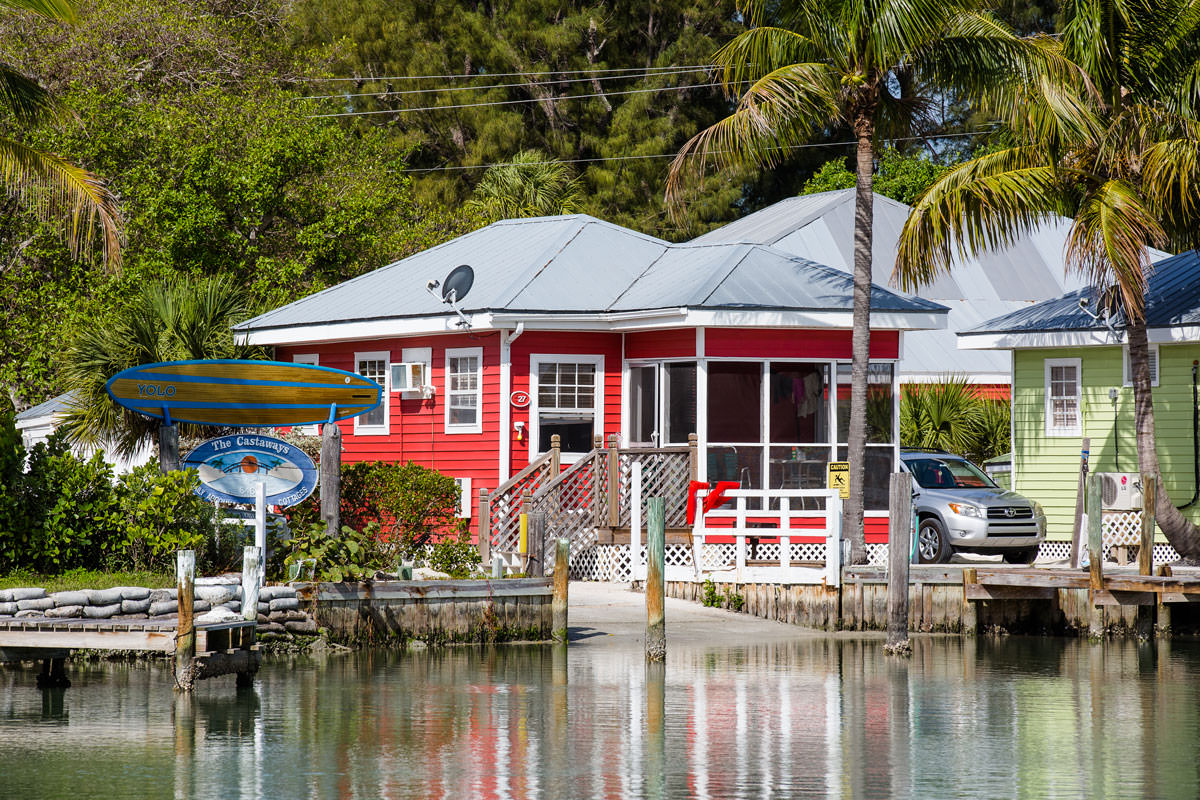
872,66
53,189
179,319
1116,149
531,185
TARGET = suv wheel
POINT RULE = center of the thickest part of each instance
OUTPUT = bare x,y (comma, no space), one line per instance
932,546
1025,556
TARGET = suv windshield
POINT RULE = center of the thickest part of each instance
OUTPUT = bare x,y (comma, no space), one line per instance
947,473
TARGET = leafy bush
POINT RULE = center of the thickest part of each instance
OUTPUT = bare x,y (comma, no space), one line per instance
455,556
354,555
951,416
411,506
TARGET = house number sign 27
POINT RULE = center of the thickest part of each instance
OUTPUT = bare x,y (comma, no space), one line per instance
519,399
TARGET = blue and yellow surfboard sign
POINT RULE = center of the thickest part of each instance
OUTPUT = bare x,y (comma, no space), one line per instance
230,468
243,393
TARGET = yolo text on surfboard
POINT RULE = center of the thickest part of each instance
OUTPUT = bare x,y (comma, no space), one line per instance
155,390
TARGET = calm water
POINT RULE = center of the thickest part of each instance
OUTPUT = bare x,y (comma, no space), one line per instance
819,718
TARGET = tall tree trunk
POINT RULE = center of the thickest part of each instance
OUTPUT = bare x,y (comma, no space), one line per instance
856,440
1182,534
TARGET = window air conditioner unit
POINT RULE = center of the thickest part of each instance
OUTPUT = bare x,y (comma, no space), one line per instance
1120,491
411,376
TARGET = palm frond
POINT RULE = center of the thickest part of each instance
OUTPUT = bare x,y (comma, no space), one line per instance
985,203
54,189
760,51
1171,180
24,97
1108,242
58,10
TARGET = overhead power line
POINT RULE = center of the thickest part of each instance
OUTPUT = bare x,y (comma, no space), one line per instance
514,102
521,85
475,76
463,167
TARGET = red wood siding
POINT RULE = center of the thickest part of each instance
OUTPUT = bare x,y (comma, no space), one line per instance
551,343
417,427
675,343
793,343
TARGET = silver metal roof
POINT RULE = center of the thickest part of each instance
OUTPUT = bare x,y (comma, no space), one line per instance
579,264
821,227
55,405
1172,300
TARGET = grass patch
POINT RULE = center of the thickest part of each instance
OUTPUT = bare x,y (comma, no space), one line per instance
86,579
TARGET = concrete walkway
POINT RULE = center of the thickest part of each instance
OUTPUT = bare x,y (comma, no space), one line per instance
611,615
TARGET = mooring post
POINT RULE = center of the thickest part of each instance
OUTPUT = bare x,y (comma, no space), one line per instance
331,479
970,615
185,635
1078,532
251,581
1095,540
1149,497
562,552
537,546
899,555
497,567
656,626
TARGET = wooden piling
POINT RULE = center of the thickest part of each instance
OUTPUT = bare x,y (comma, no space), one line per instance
1149,497
251,581
331,479
1095,531
168,448
559,605
970,615
656,627
185,635
1077,532
899,549
536,567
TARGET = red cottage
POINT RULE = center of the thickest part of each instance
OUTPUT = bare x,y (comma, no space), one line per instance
577,327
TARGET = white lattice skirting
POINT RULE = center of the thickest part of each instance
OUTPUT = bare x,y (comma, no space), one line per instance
611,562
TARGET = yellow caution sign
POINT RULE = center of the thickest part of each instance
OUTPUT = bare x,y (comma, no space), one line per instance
839,478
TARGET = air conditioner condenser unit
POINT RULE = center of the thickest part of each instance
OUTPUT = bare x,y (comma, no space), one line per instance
1120,491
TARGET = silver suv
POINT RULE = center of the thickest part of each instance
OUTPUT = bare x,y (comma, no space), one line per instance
960,508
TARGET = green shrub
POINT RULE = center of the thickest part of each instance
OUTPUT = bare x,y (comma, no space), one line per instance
410,504
951,416
455,556
352,556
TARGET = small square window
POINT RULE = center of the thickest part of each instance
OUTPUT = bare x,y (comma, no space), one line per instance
1063,397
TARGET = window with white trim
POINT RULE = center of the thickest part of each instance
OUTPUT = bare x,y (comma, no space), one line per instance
1063,397
311,359
373,366
568,398
464,390
1127,371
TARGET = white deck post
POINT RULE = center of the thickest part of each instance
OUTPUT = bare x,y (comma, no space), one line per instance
260,528
636,567
833,539
785,539
698,533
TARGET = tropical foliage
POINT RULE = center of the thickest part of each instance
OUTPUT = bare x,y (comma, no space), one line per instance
804,66
1113,145
950,415
528,186
900,176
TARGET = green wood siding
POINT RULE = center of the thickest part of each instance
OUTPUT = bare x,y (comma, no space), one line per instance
1047,467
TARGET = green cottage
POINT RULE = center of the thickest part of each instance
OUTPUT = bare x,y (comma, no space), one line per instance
1071,380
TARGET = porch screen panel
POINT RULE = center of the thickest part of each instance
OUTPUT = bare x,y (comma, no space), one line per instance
879,466
734,402
644,404
880,455
567,404
679,388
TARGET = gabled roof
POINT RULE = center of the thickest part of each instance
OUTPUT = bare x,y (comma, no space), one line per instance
55,405
821,227
578,265
1172,314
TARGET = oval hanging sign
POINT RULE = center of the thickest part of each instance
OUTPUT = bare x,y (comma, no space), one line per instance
231,466
243,393
519,399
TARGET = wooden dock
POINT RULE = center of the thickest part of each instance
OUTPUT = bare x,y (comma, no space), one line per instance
221,648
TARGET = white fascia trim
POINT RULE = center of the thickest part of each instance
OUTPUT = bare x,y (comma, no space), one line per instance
1088,338
361,331
760,318
969,377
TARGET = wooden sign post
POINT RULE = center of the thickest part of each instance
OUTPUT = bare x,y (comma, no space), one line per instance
331,479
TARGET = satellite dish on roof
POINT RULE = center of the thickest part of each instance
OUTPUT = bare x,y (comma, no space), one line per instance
458,283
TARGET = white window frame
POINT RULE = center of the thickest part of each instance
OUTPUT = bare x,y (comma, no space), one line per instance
1127,373
536,447
465,352
313,360
422,355
375,430
1077,428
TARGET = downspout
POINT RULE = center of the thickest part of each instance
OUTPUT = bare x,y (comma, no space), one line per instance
1195,442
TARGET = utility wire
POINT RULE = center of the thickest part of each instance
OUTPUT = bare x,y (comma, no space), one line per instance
692,67
462,167
514,102
521,85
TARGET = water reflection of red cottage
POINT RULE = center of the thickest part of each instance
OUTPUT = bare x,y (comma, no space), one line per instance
580,328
